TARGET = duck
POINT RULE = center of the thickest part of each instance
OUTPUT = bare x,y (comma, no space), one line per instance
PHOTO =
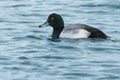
71,30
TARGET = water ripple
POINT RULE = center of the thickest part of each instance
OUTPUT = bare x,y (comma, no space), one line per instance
109,77
20,5
54,57
102,5
29,52
79,74
23,58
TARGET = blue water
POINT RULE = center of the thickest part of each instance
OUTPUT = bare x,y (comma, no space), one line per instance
26,53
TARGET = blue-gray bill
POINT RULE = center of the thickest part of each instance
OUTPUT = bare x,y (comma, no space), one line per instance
44,24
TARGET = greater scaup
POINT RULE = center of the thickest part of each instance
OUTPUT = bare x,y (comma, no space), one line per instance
71,30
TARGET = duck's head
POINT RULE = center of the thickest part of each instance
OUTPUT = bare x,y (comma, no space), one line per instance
56,21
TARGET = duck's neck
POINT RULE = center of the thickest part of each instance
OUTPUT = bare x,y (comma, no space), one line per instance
56,32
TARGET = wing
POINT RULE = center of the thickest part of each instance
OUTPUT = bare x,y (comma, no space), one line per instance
94,32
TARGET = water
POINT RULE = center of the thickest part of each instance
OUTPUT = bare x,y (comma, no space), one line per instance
26,53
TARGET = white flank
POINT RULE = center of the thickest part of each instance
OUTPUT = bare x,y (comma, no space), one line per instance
80,33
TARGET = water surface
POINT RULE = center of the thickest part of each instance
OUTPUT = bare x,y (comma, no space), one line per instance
26,53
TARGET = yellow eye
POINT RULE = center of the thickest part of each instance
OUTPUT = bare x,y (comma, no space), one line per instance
52,18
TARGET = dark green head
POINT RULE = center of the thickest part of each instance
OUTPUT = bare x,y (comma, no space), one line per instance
57,23
55,20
